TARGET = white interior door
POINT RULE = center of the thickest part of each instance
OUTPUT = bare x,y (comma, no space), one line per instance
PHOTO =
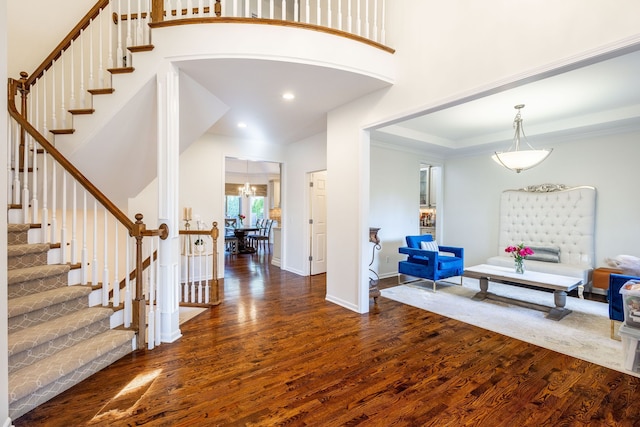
318,222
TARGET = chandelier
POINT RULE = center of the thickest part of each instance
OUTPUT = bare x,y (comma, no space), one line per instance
516,159
247,190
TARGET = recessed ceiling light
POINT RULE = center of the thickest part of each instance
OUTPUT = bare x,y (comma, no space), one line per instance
242,125
288,96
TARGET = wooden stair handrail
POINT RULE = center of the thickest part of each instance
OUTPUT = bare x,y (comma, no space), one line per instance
13,87
66,42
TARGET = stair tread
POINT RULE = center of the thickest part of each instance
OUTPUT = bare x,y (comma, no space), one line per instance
41,333
31,378
29,303
18,227
27,248
37,272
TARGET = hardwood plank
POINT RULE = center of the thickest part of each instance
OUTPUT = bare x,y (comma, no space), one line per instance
276,352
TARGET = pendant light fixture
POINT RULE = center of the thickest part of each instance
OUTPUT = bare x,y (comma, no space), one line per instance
515,158
247,190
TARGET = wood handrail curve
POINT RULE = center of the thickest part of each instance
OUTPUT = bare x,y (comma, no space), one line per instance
66,42
264,21
15,85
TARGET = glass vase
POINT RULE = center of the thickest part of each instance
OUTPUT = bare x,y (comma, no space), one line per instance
519,266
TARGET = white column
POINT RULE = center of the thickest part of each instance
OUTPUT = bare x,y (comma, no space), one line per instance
168,173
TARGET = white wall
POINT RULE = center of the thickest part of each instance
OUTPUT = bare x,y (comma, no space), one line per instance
30,42
302,157
394,202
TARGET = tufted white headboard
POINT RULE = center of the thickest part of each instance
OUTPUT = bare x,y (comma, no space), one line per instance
551,215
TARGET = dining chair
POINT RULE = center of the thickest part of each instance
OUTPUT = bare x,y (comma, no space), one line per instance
262,237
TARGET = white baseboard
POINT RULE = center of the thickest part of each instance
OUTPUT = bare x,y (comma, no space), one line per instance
7,423
342,303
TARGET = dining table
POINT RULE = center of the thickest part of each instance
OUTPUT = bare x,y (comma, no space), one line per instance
241,234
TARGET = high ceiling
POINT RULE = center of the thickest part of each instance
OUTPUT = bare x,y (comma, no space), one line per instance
602,96
253,90
599,95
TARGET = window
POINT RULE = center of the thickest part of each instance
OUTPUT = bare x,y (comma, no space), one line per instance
232,206
257,209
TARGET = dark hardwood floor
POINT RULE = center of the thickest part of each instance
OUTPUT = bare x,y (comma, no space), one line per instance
276,353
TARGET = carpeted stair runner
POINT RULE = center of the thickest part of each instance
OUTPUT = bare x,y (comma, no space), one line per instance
55,339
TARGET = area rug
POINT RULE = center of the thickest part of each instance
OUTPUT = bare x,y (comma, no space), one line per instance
187,313
584,333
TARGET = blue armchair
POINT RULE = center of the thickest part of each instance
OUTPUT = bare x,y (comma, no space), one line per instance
616,309
430,265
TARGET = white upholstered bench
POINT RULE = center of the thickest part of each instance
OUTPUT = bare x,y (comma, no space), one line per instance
552,218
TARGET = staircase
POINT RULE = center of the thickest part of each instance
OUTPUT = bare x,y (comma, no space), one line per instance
55,339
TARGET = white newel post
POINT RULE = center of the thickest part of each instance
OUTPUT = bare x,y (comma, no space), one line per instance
168,172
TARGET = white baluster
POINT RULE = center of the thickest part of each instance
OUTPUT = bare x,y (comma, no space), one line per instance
192,260
94,262
34,163
45,130
349,17
105,270
139,32
212,8
271,9
45,199
329,13
307,11
119,51
200,278
72,96
127,286
359,20
74,224
340,14
91,80
189,8
383,35
63,110
10,175
151,319
247,11
54,121
178,9
366,18
54,194
16,163
63,228
284,10
296,10
25,183
207,293
375,20
157,280
200,10
110,37
129,36
116,251
145,25
84,258
235,8
84,95
100,42
318,13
